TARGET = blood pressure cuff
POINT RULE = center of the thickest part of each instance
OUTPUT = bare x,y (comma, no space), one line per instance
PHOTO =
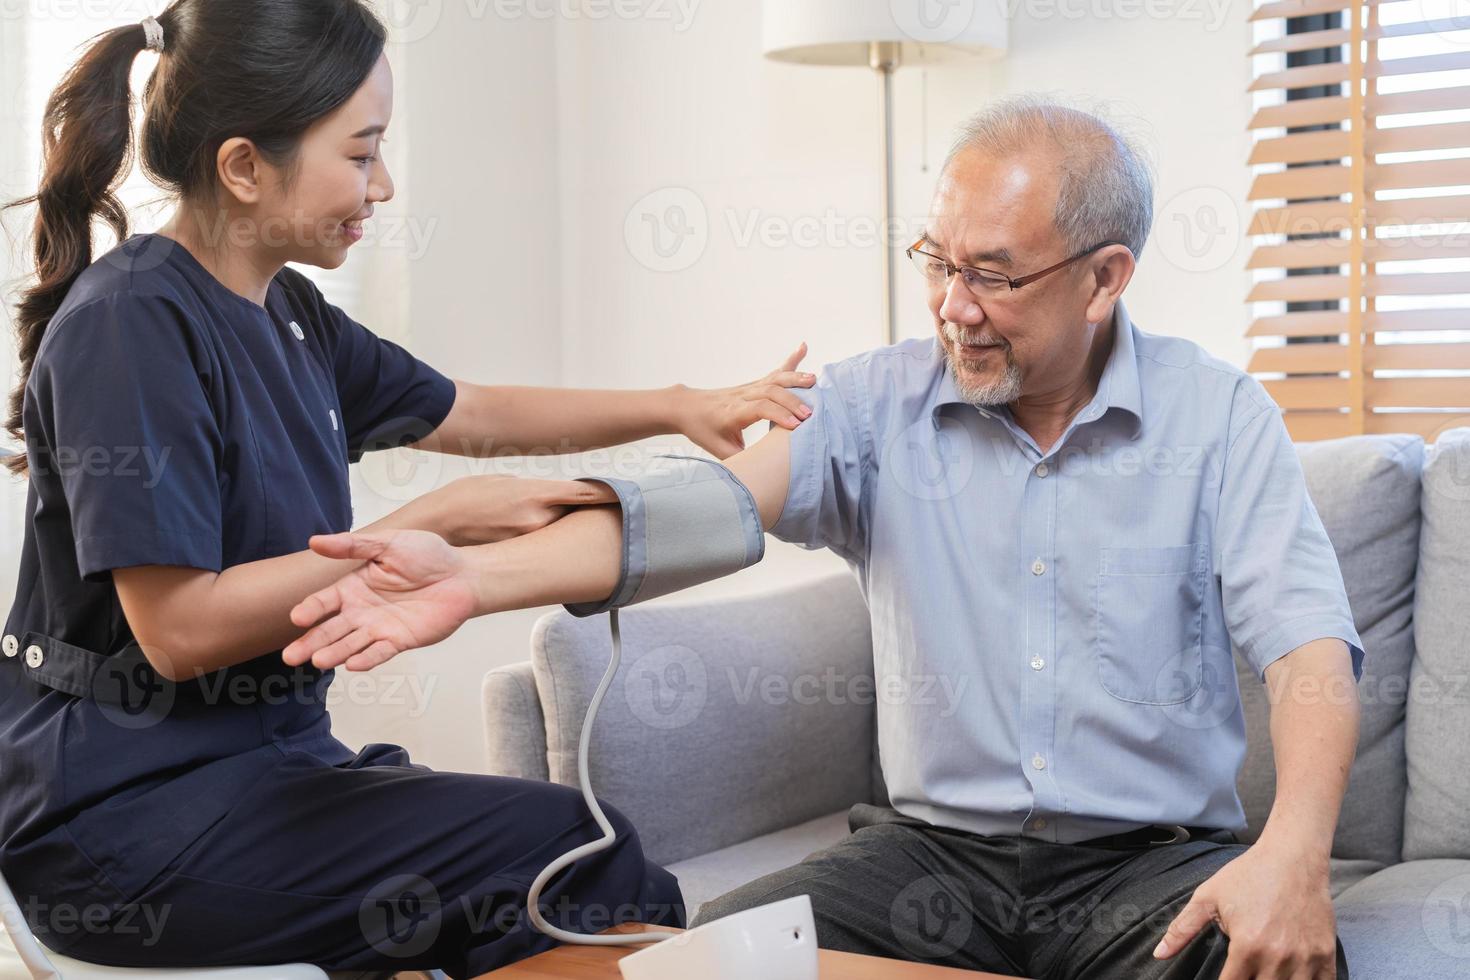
685,520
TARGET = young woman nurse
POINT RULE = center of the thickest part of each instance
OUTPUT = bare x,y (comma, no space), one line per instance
173,795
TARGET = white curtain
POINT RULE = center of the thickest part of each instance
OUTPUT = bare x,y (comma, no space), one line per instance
16,180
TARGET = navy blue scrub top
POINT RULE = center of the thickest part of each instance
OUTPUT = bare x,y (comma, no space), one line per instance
171,421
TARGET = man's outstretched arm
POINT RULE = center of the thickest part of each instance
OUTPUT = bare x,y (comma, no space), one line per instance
576,559
414,589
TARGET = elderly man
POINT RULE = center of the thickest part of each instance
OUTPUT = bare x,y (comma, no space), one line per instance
1080,518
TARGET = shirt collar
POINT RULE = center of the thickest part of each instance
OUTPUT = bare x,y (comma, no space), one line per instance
1117,388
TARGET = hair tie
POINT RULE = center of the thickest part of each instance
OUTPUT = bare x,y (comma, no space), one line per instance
153,32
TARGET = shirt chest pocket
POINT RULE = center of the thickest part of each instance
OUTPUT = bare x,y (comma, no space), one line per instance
1149,622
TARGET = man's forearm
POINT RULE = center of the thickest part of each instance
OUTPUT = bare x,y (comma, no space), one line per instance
1314,733
575,559
579,558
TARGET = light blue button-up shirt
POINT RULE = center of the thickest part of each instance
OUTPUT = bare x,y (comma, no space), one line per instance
1053,632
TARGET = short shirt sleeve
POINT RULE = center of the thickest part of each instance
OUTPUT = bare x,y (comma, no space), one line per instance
118,413
1280,582
389,397
826,495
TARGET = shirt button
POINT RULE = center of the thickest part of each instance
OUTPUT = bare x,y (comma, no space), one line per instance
1037,663
34,656
1039,823
1041,470
296,329
1038,566
10,645
1037,762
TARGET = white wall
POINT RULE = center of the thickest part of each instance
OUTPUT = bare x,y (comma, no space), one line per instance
537,143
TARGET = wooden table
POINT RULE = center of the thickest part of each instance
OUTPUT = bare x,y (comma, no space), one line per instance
600,963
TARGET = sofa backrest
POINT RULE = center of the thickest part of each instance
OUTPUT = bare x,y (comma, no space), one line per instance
719,710
1366,490
1437,813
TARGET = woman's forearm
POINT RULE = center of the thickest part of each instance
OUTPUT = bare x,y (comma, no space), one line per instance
511,420
215,620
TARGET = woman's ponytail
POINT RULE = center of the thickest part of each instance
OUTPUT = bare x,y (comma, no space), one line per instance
87,149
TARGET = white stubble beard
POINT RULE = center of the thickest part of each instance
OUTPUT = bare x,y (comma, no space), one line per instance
984,394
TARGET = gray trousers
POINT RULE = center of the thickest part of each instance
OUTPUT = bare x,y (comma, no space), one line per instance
906,889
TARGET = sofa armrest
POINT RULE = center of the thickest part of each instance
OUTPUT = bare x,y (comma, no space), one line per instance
515,728
728,719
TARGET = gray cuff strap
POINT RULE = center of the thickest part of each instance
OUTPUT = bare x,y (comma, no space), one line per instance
686,520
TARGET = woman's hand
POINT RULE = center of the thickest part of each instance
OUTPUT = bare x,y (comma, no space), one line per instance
714,419
481,509
414,589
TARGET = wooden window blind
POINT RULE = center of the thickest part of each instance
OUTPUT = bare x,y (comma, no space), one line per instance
1361,215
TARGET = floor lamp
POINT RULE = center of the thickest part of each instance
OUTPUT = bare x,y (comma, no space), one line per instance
882,34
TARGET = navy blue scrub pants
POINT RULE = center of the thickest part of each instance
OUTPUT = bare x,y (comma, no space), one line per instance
384,865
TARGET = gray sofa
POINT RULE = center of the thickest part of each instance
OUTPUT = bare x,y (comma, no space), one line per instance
738,732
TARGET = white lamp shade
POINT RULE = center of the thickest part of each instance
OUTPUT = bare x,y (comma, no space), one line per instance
839,32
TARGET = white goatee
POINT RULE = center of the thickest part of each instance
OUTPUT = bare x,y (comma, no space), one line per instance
984,394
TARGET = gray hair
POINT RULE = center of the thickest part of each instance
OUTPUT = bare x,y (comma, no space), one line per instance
1106,188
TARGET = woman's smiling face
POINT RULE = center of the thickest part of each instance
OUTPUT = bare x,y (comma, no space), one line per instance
340,174
337,177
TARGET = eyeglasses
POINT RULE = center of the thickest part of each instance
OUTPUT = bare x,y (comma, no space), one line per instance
982,282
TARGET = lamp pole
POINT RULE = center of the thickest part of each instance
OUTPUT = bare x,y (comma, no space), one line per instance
883,57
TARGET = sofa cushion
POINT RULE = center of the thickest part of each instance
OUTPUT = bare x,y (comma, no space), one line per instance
1345,874
728,719
1366,490
1439,709
711,875
1408,922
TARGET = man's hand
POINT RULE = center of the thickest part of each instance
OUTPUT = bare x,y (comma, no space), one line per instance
413,589
1277,910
